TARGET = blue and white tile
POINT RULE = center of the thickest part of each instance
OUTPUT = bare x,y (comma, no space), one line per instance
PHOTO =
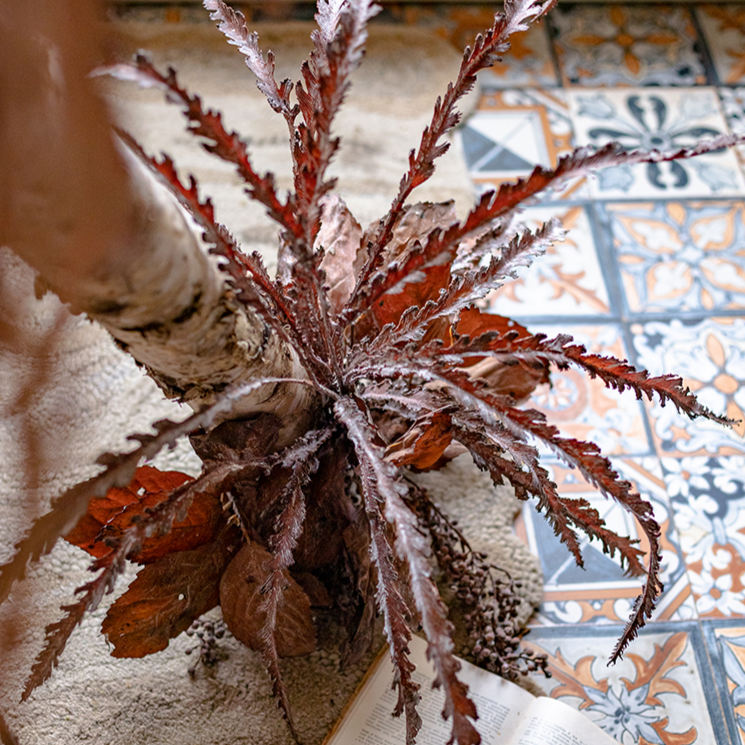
679,256
514,130
733,104
709,354
663,119
708,501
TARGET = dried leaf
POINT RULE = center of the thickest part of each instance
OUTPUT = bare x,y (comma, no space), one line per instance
425,442
166,597
241,601
109,516
339,237
413,291
516,379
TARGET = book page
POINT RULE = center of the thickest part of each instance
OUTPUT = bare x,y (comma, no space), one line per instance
550,722
501,706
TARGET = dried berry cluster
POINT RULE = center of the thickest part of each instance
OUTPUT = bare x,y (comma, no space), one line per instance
486,591
209,634
401,362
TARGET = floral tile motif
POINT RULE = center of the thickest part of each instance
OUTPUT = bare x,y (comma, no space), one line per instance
631,45
710,356
527,63
584,408
513,131
601,592
678,256
660,693
566,281
727,650
733,103
661,118
724,30
708,500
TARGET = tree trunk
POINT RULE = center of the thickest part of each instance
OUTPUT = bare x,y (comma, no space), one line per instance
105,237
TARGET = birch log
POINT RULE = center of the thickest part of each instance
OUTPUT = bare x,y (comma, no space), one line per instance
105,237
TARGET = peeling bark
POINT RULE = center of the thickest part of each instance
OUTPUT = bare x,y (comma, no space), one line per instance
109,240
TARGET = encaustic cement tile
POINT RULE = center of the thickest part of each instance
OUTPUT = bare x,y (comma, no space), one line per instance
710,357
733,104
584,408
527,62
723,27
566,280
708,501
633,46
513,131
663,119
726,643
660,693
601,592
680,256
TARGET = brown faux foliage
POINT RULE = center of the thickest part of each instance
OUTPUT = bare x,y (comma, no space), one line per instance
407,368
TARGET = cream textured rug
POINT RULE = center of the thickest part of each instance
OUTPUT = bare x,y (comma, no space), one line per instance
89,397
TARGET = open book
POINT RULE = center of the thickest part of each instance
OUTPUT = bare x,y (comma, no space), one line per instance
508,715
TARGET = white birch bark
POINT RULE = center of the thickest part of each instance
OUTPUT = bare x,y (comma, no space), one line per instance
106,237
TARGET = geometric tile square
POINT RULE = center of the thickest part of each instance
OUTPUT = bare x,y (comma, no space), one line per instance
514,130
635,45
680,256
708,503
662,119
724,30
583,407
709,355
601,592
660,692
566,280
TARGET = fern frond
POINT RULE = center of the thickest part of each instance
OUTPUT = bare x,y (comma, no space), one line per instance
380,478
208,125
69,507
232,23
300,458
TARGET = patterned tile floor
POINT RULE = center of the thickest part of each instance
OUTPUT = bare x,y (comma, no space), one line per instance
653,269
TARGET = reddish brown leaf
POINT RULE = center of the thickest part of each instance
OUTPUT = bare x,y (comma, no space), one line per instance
425,442
109,516
165,598
241,601
518,379
429,281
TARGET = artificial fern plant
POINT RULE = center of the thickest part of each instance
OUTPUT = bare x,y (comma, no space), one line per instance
369,354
